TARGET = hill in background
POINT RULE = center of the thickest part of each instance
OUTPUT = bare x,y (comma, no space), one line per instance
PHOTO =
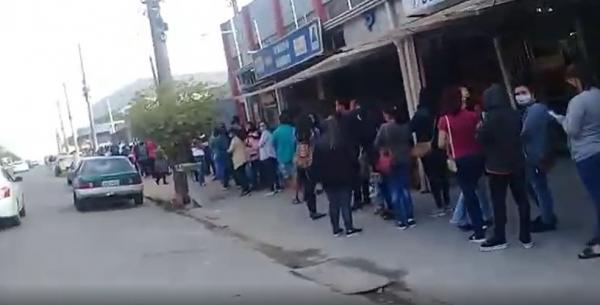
122,97
5,153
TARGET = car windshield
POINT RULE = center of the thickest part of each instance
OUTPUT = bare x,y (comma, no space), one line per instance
106,166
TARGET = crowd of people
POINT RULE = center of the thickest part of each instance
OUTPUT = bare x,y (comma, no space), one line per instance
357,154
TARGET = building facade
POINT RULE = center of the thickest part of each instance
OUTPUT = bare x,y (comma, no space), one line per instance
302,55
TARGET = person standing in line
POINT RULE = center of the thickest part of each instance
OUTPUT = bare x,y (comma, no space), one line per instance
198,155
253,167
268,159
220,145
582,125
142,158
333,166
500,136
424,125
538,154
285,148
367,131
394,141
239,157
151,148
306,137
209,165
457,128
161,167
351,128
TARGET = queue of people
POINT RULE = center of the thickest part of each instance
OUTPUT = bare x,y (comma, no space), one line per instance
494,146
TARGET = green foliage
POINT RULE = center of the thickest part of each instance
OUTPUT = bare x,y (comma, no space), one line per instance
181,112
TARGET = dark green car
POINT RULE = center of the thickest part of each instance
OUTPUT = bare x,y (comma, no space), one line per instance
99,179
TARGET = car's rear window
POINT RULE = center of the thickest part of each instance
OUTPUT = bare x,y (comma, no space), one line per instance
106,166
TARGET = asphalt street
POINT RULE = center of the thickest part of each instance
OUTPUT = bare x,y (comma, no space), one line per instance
135,255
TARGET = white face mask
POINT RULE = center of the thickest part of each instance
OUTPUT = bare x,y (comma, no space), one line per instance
524,99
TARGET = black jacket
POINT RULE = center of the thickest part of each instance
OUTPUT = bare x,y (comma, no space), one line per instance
334,166
500,133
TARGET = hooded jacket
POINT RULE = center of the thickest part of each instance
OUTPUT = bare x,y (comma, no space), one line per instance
500,133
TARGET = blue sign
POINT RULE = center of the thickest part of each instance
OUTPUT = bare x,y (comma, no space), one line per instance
297,47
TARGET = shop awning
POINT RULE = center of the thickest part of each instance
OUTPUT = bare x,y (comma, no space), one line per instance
469,8
332,63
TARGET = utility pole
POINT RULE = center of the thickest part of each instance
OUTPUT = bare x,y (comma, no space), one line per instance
154,77
86,95
58,145
110,117
158,29
73,131
62,128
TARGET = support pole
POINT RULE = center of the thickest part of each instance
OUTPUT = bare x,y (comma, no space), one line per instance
504,71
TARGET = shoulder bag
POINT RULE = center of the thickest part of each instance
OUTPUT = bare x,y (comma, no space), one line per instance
450,149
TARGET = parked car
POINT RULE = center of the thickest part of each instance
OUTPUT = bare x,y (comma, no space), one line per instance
62,164
72,170
20,167
106,178
12,200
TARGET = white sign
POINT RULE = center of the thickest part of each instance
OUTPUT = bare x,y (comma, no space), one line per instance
413,8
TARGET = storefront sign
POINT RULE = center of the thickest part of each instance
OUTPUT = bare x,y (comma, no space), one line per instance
416,8
295,48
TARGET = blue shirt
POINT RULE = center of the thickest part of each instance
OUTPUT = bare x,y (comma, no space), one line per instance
536,133
284,142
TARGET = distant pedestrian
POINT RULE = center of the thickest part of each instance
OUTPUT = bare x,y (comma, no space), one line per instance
161,167
333,163
582,125
285,148
151,147
141,155
199,158
239,157
220,144
268,159
253,166
500,136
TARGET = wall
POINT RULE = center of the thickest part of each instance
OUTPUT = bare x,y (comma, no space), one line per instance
356,31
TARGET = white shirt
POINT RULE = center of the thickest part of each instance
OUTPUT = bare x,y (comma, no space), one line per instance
265,144
197,152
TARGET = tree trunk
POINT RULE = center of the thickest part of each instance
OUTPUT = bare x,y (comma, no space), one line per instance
180,181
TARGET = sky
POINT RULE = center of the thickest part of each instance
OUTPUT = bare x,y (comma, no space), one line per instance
39,52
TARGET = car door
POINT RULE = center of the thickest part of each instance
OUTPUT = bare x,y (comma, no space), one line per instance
15,187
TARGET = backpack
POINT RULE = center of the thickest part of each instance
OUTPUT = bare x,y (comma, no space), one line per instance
304,155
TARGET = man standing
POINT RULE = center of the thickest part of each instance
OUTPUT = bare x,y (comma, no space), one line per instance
538,153
285,148
350,130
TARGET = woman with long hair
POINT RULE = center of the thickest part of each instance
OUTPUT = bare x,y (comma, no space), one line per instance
457,130
239,157
393,141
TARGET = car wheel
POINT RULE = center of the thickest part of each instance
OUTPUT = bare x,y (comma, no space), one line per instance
79,204
15,221
69,182
139,199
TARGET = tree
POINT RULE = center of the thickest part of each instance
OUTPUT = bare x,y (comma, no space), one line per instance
172,119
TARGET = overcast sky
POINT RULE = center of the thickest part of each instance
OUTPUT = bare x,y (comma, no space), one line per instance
39,52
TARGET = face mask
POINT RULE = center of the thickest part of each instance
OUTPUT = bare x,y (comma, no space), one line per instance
524,99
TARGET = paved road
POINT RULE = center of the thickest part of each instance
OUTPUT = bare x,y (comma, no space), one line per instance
144,254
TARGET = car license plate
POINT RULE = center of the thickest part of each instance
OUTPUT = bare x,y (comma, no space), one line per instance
109,183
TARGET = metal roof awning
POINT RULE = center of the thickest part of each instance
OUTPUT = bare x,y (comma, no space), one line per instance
329,64
469,8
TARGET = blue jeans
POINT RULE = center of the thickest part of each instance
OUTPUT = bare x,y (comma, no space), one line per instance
543,197
399,190
222,168
200,168
470,170
339,203
383,195
589,172
460,216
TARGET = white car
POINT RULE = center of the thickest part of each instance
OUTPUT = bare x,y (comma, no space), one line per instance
20,167
63,163
12,200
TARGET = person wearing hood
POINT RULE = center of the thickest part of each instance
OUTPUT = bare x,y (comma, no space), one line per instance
538,154
500,137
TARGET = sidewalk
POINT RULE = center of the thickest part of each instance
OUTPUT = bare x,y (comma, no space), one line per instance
433,262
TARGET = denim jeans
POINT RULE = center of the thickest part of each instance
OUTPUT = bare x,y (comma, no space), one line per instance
339,203
200,168
399,189
538,182
461,217
222,167
383,195
470,170
589,172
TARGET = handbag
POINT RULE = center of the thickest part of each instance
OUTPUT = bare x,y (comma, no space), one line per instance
451,162
423,148
385,159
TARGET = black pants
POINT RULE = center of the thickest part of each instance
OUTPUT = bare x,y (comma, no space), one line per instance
241,178
436,169
339,203
269,173
518,186
308,185
158,177
361,193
